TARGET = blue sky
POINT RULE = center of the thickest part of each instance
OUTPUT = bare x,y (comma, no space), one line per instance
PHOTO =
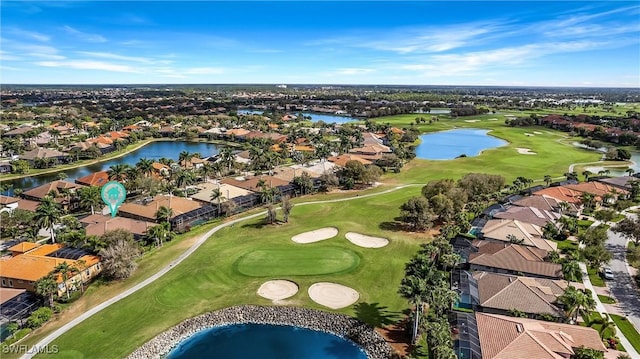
540,43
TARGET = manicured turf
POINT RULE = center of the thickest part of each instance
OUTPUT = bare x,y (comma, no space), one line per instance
595,277
297,260
628,330
606,299
212,278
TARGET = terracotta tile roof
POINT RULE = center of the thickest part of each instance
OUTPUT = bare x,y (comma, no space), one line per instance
303,148
251,184
343,159
529,295
97,225
516,258
28,205
509,337
530,234
94,179
560,194
541,202
227,190
6,294
23,247
237,132
42,191
179,206
529,215
5,200
596,188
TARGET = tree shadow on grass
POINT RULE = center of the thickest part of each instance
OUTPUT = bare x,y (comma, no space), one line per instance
375,315
393,226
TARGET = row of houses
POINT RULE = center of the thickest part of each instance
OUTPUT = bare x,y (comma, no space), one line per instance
506,270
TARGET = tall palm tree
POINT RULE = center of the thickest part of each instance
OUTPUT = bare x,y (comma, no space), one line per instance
576,301
48,214
587,200
65,271
164,214
414,289
159,233
564,207
145,166
571,271
207,170
630,171
586,174
216,195
548,180
226,157
118,172
183,179
90,198
46,287
184,157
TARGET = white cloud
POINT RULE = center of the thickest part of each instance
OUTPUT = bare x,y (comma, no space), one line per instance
88,65
112,56
351,71
29,34
39,51
203,71
84,35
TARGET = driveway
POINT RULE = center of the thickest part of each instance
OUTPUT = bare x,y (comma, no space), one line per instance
622,287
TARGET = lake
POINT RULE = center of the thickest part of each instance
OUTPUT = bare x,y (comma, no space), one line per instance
265,342
447,145
154,151
315,117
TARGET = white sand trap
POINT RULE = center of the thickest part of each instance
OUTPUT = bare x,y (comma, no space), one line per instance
529,134
525,151
537,132
332,295
315,236
471,120
366,241
492,119
278,289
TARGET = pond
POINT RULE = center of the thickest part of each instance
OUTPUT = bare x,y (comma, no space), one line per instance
154,151
447,145
315,117
265,342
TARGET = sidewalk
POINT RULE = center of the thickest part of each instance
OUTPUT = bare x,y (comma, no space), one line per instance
600,308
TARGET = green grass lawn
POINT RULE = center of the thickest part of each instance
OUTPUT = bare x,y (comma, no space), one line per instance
628,330
228,269
633,255
595,277
567,246
618,217
606,299
301,260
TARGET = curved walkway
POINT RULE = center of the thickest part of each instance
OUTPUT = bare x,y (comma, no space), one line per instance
63,329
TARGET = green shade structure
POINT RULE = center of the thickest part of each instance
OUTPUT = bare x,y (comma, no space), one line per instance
113,194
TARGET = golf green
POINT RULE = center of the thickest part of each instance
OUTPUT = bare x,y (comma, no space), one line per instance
295,261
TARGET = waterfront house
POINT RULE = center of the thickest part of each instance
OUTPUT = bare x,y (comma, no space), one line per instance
67,201
514,231
94,179
508,258
55,156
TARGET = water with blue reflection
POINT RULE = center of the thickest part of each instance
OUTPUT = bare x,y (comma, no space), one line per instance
447,145
263,341
315,117
153,151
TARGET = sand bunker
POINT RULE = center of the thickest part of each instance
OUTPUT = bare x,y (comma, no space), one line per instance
525,151
278,289
492,119
537,132
529,134
471,120
366,241
316,236
332,295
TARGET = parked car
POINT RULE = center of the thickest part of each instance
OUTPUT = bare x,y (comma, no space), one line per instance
607,273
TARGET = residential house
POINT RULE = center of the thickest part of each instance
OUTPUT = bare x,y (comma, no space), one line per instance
544,203
8,204
510,337
500,293
561,194
342,160
514,231
530,215
39,153
30,262
227,191
97,179
67,201
621,183
16,305
601,191
508,258
185,211
98,224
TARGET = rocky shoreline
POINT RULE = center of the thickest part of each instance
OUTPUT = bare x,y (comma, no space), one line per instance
338,324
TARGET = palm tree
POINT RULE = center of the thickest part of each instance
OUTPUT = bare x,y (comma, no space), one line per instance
118,172
576,301
183,179
65,271
184,157
207,170
226,157
630,171
216,195
571,176
587,200
145,166
586,174
48,214
90,197
571,271
46,287
414,289
160,233
164,214
564,207
548,180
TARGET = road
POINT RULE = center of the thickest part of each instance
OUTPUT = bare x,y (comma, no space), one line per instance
203,238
